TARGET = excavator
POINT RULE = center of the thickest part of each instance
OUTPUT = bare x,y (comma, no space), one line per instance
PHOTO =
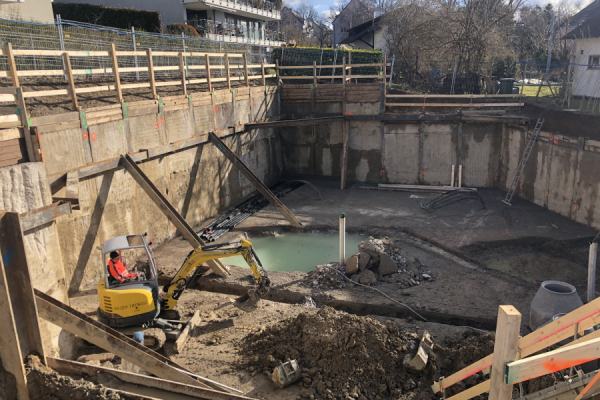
139,305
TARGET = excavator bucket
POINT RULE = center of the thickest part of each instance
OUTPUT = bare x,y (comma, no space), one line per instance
247,302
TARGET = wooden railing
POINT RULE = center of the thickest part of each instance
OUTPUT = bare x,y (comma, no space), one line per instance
232,62
464,101
346,75
509,361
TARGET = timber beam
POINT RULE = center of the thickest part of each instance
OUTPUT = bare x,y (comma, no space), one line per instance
44,215
170,212
258,185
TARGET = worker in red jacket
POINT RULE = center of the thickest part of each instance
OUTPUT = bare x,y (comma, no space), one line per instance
118,271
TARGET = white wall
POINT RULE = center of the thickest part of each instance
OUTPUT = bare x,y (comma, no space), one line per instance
30,10
586,82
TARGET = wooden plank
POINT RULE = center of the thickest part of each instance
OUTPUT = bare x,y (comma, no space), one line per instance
262,73
109,108
172,215
59,53
72,367
258,185
136,85
10,348
591,285
227,71
9,110
10,146
298,77
450,105
12,66
476,390
590,388
453,96
104,120
552,361
109,339
54,119
113,54
183,338
44,215
8,90
151,70
207,58
45,93
13,252
584,317
182,72
8,134
506,347
72,185
245,57
67,61
142,111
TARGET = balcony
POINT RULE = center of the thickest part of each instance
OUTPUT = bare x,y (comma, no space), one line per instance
236,33
258,9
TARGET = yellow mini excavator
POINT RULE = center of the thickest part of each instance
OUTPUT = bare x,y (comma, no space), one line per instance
139,304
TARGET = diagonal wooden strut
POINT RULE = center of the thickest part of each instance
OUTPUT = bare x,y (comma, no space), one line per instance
261,187
176,219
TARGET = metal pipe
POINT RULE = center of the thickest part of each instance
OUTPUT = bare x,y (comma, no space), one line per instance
343,239
591,286
135,59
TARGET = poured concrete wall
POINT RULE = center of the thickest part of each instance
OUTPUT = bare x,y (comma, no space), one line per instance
23,188
199,181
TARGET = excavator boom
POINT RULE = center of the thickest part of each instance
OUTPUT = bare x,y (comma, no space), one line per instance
185,276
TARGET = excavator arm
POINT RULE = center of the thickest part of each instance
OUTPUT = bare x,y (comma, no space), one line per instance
185,276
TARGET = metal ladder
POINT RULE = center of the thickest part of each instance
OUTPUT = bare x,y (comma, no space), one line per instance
523,162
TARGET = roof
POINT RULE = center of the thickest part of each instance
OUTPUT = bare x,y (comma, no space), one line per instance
586,22
360,30
341,12
122,242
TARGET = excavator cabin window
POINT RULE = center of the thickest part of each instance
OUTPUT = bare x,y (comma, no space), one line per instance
135,261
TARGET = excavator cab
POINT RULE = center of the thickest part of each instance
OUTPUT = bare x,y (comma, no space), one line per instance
133,302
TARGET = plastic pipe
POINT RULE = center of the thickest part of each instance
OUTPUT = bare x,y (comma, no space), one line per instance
591,287
343,239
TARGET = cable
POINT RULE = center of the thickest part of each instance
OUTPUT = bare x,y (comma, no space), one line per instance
451,197
380,292
311,185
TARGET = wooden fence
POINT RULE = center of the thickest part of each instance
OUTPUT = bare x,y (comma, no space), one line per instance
464,101
346,75
510,363
232,62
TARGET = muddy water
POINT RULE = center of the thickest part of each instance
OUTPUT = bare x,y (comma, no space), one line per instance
537,267
299,251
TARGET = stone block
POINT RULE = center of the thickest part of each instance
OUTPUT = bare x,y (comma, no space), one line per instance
363,260
386,265
352,264
367,277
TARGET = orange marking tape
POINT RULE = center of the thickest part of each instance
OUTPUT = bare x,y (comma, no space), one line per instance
553,366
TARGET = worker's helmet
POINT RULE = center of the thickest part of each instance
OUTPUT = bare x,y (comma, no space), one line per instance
113,254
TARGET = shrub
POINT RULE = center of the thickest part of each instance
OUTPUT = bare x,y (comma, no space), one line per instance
123,18
177,29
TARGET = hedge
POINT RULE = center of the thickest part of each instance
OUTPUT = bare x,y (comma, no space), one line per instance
123,18
177,29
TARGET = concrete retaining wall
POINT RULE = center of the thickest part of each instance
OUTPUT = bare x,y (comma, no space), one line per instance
199,181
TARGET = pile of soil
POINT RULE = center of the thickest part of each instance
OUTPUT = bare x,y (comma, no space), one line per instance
326,277
342,356
45,384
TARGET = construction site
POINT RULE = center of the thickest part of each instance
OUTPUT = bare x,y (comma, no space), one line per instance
212,225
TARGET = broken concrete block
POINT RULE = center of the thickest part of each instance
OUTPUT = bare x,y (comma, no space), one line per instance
363,260
420,359
373,263
371,248
367,277
386,265
352,264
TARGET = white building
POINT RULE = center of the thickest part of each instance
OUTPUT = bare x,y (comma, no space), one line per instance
586,54
27,10
366,36
235,21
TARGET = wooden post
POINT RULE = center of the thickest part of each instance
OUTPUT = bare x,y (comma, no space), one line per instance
344,167
67,61
350,68
277,71
12,66
113,54
182,70
460,175
227,71
591,286
25,123
10,349
151,70
262,69
12,248
245,56
315,73
344,71
505,351
384,67
383,91
208,73
452,177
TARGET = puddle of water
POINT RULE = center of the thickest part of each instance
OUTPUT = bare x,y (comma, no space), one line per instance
537,267
298,251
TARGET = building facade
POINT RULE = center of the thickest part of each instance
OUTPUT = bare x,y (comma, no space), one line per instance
353,14
27,10
235,21
366,36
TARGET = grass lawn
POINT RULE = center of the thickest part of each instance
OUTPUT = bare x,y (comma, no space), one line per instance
546,99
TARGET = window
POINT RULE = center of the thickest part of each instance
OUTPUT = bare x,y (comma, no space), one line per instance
594,62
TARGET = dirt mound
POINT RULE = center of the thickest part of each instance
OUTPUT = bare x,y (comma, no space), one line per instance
342,356
45,384
328,276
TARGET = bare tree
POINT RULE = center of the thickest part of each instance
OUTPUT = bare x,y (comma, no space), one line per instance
307,11
336,8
